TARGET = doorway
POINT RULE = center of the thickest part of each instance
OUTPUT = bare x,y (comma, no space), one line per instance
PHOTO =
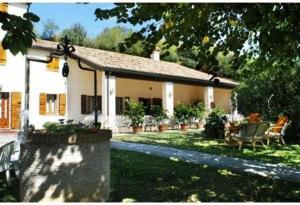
4,110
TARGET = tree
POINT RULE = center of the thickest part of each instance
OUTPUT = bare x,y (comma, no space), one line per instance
49,30
76,33
269,32
110,38
19,31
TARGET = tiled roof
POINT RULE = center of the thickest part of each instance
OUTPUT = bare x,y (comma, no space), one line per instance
123,62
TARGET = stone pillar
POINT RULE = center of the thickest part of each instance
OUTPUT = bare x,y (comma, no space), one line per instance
208,97
168,97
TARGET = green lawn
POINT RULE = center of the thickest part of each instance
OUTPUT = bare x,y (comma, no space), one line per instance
145,178
194,140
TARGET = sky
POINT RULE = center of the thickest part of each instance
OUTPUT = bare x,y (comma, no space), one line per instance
65,14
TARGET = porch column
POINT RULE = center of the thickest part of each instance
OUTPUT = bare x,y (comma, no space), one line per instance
235,106
168,97
109,101
104,100
208,97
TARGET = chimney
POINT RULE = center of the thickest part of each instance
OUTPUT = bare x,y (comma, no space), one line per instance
155,55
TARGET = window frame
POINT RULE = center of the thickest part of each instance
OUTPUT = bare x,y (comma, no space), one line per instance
56,104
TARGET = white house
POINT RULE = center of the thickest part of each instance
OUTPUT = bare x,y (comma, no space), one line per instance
119,77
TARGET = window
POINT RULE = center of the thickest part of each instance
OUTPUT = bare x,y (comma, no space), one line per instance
157,101
3,7
53,65
147,103
52,104
87,104
2,55
119,106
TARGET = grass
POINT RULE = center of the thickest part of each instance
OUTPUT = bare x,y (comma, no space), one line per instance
144,178
193,140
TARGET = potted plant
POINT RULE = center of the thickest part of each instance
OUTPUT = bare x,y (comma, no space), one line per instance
159,115
182,114
135,112
198,112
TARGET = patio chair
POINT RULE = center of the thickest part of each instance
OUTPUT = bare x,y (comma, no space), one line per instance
6,151
149,121
278,135
246,135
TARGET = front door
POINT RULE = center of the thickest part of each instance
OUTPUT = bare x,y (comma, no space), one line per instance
4,110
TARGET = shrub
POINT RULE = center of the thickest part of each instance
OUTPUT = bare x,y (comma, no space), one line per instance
214,127
135,112
61,128
182,113
198,111
158,113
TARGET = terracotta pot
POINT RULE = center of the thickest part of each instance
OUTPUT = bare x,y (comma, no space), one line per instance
184,127
162,127
136,129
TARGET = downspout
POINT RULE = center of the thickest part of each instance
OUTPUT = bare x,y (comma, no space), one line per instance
95,89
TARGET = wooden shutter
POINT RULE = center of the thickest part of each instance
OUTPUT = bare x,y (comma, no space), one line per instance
15,109
62,104
43,101
53,65
3,7
2,55
83,104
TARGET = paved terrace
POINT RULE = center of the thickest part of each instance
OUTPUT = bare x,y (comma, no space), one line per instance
235,164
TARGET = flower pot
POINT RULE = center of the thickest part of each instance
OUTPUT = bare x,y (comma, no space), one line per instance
136,129
184,127
55,164
162,127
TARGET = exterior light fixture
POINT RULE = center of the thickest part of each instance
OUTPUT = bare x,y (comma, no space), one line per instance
111,91
65,70
170,94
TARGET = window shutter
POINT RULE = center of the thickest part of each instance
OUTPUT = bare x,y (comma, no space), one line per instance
2,55
15,109
62,104
43,100
54,64
83,104
3,7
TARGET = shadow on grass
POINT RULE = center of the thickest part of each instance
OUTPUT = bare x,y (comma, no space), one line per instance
287,155
144,178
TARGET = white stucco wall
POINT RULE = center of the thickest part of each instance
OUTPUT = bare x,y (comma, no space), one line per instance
12,74
80,82
187,94
43,81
